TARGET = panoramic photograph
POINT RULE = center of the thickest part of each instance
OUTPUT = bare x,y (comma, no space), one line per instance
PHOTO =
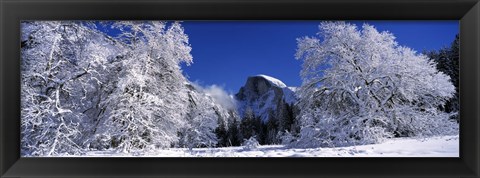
240,88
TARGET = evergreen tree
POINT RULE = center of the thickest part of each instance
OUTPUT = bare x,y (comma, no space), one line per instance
247,125
222,134
286,122
234,136
271,130
447,60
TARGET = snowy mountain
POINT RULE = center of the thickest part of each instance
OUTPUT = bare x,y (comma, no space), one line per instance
267,97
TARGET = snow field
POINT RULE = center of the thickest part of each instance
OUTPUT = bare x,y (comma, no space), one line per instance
440,146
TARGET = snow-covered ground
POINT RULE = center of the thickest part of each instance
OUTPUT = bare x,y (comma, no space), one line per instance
444,146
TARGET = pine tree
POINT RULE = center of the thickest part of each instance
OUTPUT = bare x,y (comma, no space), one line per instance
271,130
247,127
447,60
221,132
234,135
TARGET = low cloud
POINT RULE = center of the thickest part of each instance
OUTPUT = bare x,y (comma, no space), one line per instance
218,94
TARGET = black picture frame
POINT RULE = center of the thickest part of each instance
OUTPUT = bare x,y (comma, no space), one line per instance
13,11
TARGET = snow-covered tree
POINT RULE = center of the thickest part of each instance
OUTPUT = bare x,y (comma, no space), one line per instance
84,89
60,81
150,102
250,144
360,86
202,121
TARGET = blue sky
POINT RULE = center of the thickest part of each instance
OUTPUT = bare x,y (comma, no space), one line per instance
225,53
